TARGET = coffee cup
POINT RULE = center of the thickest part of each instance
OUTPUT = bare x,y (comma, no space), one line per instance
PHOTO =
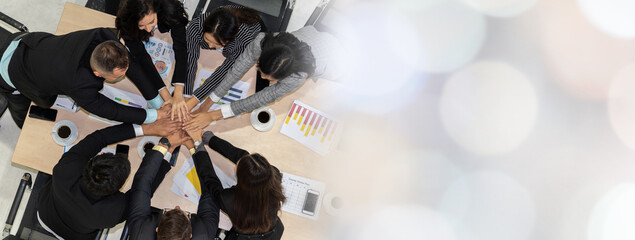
263,119
64,132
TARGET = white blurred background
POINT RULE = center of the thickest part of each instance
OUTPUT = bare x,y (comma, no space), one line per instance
488,120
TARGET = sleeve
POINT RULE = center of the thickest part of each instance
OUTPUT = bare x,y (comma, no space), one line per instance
140,193
267,95
179,40
210,184
98,104
232,51
244,62
94,142
193,33
208,212
227,149
142,71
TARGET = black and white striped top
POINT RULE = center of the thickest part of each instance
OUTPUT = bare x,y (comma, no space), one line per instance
231,51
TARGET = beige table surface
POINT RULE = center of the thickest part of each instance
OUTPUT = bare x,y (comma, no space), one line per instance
36,148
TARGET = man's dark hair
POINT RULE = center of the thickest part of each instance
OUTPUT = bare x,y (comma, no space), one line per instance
174,225
105,174
284,54
109,55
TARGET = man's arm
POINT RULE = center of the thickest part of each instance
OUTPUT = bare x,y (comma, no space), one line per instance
94,142
140,193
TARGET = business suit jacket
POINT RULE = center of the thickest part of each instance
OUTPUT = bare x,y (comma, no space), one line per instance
66,207
44,66
144,219
225,197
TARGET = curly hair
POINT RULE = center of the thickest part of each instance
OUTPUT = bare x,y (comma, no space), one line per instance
169,12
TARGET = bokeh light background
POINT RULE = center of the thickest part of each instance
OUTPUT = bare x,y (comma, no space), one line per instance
487,120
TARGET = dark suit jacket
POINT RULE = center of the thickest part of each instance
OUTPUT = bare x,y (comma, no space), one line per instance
66,207
143,219
225,197
44,66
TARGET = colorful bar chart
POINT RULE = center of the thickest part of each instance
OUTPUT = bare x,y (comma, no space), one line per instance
311,127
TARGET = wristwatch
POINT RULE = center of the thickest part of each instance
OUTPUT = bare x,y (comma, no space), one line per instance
165,142
196,143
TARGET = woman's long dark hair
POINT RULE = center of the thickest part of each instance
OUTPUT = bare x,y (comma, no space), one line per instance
284,54
223,22
169,12
258,195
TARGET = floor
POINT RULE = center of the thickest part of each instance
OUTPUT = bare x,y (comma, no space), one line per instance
43,15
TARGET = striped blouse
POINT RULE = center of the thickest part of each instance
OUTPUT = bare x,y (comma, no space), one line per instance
231,51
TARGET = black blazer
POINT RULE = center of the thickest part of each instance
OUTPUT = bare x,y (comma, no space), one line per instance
66,207
44,66
144,219
225,197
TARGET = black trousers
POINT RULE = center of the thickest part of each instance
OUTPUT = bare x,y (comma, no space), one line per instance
18,104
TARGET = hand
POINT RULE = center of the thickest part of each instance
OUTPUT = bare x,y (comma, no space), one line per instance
163,127
179,108
164,111
177,138
189,144
196,134
202,120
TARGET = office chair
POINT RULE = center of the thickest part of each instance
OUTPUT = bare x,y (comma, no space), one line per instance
275,14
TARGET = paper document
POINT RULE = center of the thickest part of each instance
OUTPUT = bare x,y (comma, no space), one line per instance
122,97
295,189
236,92
162,56
311,127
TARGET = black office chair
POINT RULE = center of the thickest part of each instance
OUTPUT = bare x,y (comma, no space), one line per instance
274,13
107,6
324,17
30,228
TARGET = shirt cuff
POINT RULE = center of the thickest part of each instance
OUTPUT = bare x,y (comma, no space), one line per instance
138,130
214,97
156,102
167,156
192,151
151,115
178,83
226,109
160,148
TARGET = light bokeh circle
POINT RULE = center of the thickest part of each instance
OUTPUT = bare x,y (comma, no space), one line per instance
451,35
614,17
488,108
489,205
613,216
405,222
501,8
621,105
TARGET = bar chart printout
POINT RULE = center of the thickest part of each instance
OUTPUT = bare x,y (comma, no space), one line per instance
311,127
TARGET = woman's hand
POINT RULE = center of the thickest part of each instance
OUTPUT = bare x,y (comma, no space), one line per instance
202,120
179,108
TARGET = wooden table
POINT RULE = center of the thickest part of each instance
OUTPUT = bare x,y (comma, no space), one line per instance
36,149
